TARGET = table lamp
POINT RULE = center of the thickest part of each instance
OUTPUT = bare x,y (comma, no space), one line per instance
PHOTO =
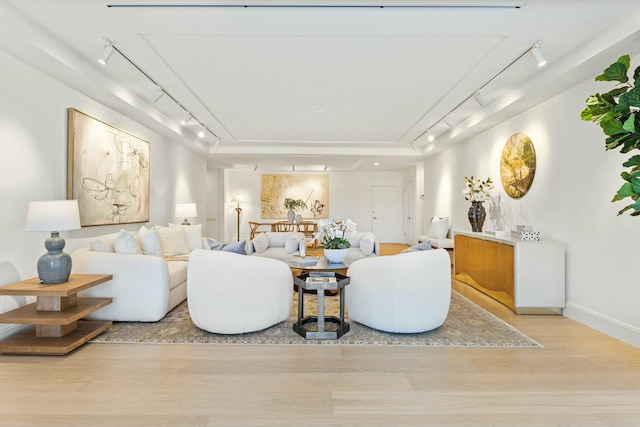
186,210
53,216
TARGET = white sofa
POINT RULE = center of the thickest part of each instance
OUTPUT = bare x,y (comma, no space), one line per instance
233,294
405,293
279,245
145,286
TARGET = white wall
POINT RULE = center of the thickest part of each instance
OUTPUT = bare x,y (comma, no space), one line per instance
349,197
33,163
569,201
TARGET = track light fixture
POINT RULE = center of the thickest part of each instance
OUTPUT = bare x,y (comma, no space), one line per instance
255,168
413,145
215,144
106,53
160,92
536,51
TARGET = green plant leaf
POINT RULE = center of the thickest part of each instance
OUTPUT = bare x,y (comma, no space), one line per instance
612,127
636,75
630,142
630,98
616,72
635,184
630,124
633,161
625,191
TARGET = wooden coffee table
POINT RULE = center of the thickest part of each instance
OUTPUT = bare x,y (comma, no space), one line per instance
56,315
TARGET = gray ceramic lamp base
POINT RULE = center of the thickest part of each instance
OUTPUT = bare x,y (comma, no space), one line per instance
54,266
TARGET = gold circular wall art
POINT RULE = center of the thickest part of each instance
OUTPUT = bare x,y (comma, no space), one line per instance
517,165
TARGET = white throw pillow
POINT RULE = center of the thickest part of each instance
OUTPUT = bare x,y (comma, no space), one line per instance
367,243
260,243
439,228
126,243
106,245
193,234
292,244
173,241
149,241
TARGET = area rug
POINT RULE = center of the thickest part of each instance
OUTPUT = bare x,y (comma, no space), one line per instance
467,325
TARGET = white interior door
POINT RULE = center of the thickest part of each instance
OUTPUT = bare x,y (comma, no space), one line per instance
386,211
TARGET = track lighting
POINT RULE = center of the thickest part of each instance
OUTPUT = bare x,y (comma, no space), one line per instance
536,51
106,54
255,168
215,145
325,168
158,95
160,92
446,121
413,145
478,97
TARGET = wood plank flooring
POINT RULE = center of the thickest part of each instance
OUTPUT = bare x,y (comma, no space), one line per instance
580,378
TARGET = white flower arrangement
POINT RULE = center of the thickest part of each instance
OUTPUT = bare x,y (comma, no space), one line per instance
332,234
477,190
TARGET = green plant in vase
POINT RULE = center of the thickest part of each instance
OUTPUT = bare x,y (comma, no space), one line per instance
618,113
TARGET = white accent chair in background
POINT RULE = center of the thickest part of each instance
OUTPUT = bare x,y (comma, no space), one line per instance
234,294
404,293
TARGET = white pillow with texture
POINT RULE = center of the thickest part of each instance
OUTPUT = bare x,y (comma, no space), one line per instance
260,243
439,228
354,238
173,241
106,245
367,243
292,244
193,234
149,241
126,243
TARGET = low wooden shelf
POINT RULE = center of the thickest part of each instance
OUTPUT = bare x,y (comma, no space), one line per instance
56,315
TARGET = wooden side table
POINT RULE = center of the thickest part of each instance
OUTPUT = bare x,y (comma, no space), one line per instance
56,315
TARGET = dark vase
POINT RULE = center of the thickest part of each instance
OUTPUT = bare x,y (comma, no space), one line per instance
477,215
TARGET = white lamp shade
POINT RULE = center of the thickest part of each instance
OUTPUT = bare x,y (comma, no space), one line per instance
237,198
54,215
186,210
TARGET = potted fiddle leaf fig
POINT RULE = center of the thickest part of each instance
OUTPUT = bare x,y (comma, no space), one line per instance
618,113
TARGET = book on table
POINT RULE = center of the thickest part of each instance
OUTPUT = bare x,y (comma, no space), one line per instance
306,260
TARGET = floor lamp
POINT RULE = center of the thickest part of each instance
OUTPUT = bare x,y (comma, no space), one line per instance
237,199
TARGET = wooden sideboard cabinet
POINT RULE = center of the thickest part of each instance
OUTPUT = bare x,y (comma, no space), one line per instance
528,277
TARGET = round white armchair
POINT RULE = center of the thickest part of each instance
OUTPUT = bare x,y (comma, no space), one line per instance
230,293
405,293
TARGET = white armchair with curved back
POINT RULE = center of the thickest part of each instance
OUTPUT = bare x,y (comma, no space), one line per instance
405,293
233,294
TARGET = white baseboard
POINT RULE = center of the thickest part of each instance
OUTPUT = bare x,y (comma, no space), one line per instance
614,328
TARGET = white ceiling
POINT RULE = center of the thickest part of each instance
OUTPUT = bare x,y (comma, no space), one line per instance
320,85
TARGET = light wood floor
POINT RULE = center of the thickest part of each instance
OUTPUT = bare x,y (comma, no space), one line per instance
580,378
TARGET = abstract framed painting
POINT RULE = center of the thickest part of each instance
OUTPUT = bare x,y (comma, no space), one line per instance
312,189
107,172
